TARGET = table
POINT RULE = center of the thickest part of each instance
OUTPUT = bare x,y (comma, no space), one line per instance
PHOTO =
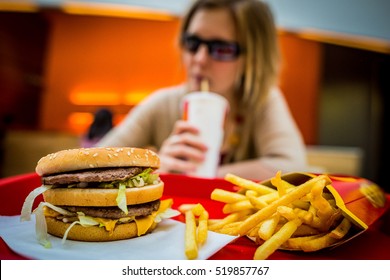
372,244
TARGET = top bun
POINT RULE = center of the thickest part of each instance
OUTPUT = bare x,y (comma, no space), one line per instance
91,158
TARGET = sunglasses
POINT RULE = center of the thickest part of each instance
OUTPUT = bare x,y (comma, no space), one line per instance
218,49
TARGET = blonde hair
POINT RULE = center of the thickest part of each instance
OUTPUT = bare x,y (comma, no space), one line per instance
257,36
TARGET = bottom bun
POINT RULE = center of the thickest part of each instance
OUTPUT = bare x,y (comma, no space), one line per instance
93,233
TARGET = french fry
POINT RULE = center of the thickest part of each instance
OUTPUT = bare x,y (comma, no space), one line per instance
295,243
247,184
305,230
328,239
341,230
318,243
280,185
306,216
195,235
324,209
276,240
191,246
260,202
202,231
229,219
268,226
185,207
237,206
287,212
304,205
229,229
254,231
226,196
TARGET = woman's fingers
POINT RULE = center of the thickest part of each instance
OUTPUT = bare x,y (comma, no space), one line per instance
182,150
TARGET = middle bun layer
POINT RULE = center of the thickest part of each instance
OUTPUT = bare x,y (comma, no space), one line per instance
101,197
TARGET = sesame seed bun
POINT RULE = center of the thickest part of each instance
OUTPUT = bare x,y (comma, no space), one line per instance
92,158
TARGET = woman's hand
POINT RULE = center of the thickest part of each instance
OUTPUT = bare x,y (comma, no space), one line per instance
182,150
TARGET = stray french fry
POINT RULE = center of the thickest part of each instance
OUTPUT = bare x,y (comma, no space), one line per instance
202,231
191,246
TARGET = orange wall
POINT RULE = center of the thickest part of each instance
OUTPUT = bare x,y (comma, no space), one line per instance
105,55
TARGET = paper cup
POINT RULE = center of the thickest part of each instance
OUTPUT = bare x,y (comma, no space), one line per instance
207,111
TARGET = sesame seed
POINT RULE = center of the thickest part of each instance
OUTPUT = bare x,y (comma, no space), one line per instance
95,154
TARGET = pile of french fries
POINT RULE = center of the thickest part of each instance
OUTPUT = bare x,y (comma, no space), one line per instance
303,217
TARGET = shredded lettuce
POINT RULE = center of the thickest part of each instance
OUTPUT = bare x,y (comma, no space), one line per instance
146,177
168,213
165,211
29,201
121,198
87,221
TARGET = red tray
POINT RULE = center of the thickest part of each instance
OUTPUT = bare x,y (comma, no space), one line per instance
183,189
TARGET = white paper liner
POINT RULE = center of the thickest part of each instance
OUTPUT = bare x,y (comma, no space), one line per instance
165,243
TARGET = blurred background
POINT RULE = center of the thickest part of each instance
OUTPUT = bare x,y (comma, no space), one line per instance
61,61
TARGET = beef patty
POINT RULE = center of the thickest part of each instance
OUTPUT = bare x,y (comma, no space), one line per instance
92,175
143,209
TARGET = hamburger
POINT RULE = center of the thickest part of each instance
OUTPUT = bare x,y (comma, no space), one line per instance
98,194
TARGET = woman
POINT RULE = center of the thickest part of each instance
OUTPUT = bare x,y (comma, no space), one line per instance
232,44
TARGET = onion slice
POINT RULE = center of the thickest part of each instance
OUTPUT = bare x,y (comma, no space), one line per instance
29,201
